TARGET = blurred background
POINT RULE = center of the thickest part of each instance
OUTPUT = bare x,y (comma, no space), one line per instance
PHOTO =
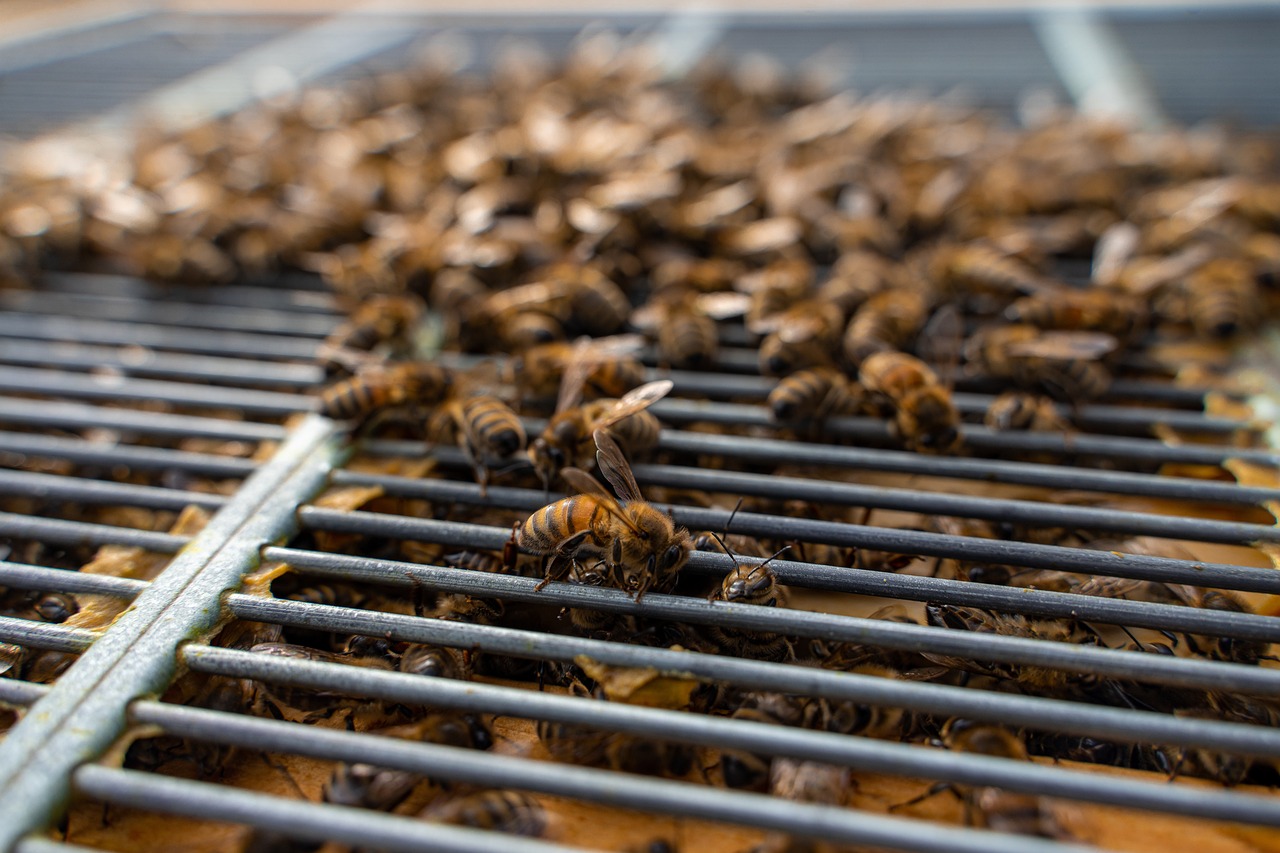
103,62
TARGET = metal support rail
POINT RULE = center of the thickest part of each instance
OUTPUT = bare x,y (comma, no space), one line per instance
137,655
841,534
63,488
157,337
1134,614
857,752
1032,712
64,415
600,786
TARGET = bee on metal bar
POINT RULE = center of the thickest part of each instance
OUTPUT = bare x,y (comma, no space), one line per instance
380,319
981,267
56,607
814,395
598,624
490,433
1019,410
567,440
538,371
509,812
755,584
382,388
747,770
1232,649
434,661
804,335
809,781
575,744
640,546
887,321
924,417
319,704
1117,314
684,324
1065,364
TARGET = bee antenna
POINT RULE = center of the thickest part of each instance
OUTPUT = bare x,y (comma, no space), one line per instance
776,554
723,546
1141,646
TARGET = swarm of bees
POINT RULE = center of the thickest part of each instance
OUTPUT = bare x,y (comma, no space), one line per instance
574,245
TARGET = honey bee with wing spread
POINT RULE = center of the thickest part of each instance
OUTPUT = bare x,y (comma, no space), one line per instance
640,546
1067,365
568,440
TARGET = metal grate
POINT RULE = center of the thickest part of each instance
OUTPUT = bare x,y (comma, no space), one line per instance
156,380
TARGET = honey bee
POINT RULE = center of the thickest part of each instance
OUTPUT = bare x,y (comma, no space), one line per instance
804,335
56,607
598,306
1221,298
567,439
1120,315
814,395
809,781
979,267
775,288
924,417
12,657
375,391
747,770
588,747
368,786
318,704
1018,410
380,319
1065,364
539,371
207,759
684,322
640,546
598,624
434,662
995,808
490,433
1231,649
509,812
888,320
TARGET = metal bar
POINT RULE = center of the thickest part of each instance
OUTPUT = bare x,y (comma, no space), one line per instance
134,362
857,752
25,380
137,655
638,793
786,529
169,313
274,295
62,532
40,844
85,452
1033,712
1032,602
54,413
21,693
24,576
977,437
752,449
156,337
45,635
63,488
1093,660
311,821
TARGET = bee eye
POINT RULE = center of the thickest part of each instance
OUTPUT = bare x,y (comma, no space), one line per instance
557,455
673,555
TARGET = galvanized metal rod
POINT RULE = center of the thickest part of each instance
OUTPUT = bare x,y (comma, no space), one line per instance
54,383
21,693
62,532
311,821
775,451
861,753
786,529
45,635
149,363
137,655
111,454
59,488
1033,712
624,790
170,312
24,576
15,410
157,337
278,294
977,437
1136,614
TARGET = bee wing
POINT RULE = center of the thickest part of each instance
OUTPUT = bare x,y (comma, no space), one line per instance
588,485
1066,345
723,304
648,316
613,464
635,400
798,329
537,293
575,375
1114,249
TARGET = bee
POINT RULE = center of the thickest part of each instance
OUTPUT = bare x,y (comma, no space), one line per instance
11,659
379,319
597,305
56,607
521,317
981,267
508,812
775,288
434,662
1230,649
888,320
814,395
750,771
410,383
368,786
1018,410
598,624
804,335
1221,298
588,747
567,439
684,323
995,808
1065,364
318,704
207,759
641,547
754,584
809,781
490,433
924,417
1120,315
539,371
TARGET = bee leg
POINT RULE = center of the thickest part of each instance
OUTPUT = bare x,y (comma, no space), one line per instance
511,551
934,790
562,561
